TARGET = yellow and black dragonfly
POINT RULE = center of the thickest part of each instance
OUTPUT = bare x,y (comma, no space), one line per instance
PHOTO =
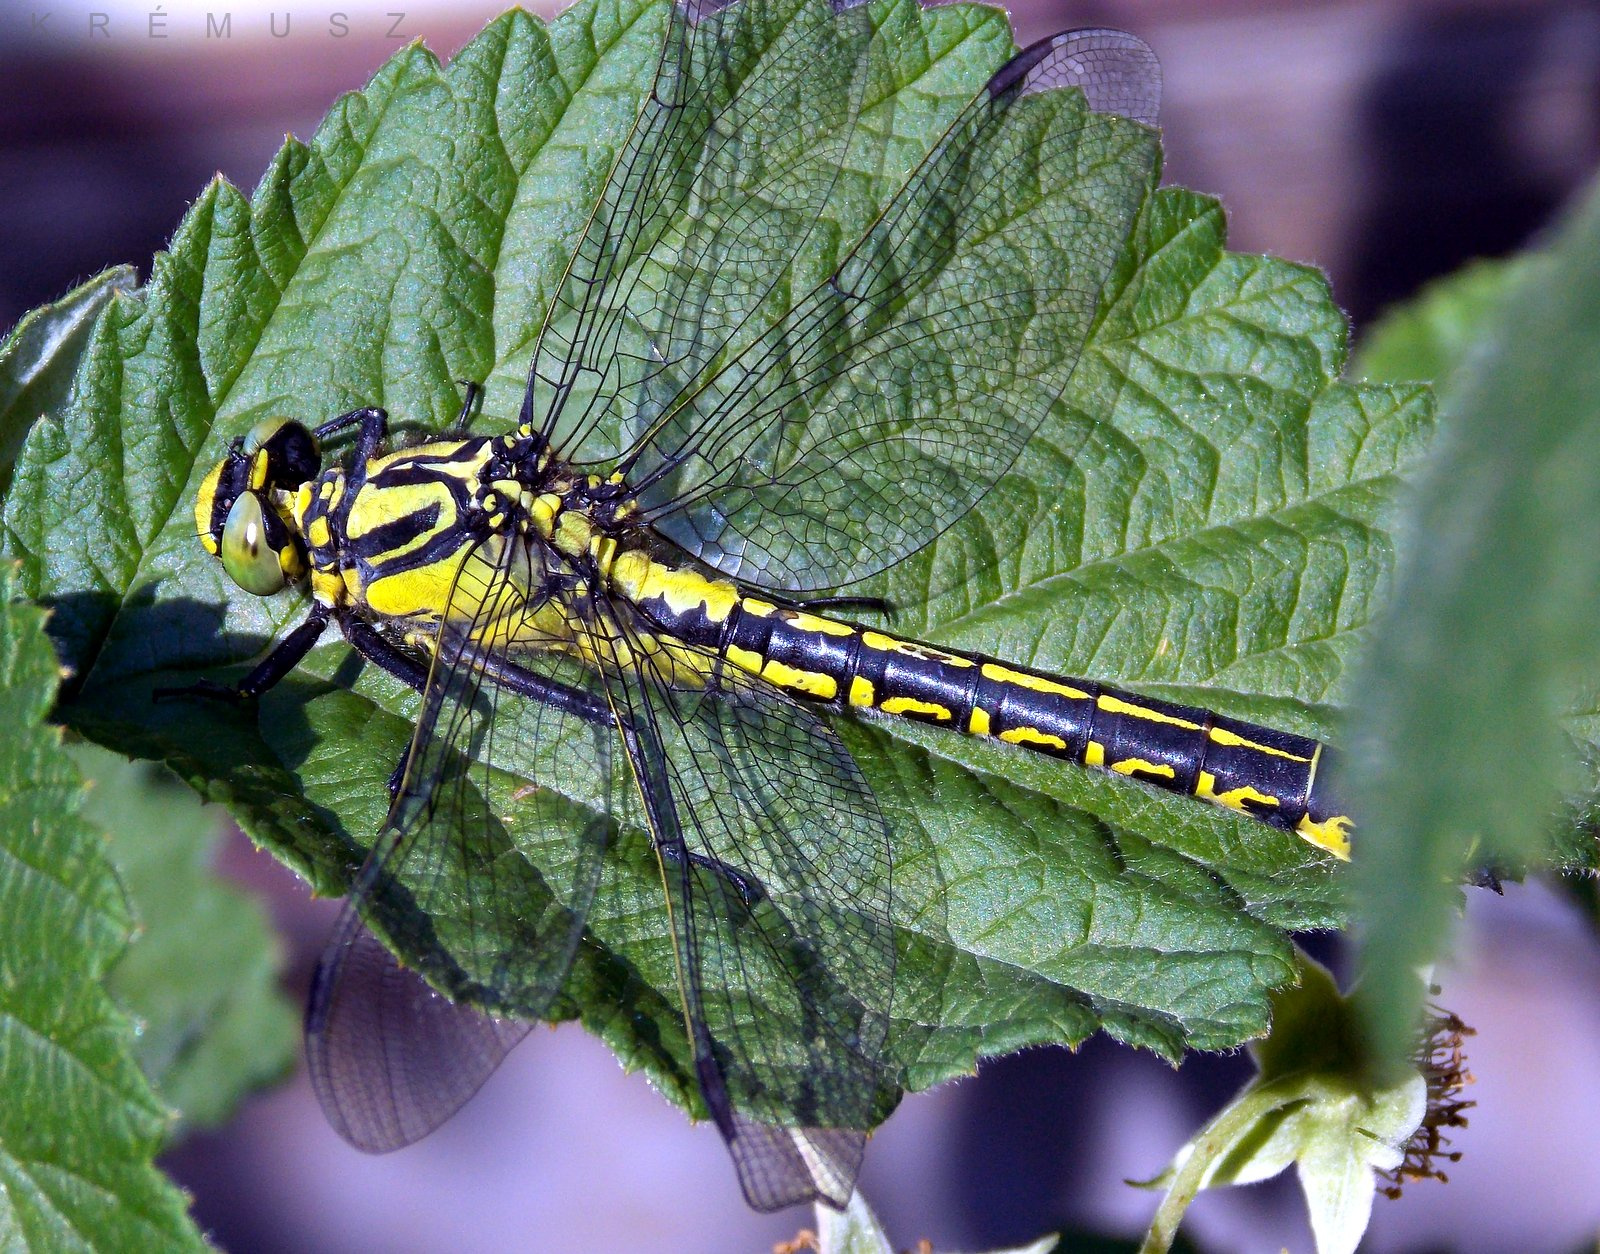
735,409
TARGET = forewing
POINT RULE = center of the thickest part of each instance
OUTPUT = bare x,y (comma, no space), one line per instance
880,405
726,175
780,880
483,870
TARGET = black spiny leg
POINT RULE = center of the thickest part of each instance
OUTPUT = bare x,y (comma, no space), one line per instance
468,400
750,891
569,700
378,650
877,605
373,424
375,647
288,654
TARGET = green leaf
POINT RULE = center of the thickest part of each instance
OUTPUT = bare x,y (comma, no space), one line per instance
1427,337
79,1125
1478,705
1312,1105
202,972
40,354
1203,516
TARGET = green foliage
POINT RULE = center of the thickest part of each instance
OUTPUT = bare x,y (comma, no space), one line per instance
1203,516
40,354
1477,707
79,1124
1427,337
202,972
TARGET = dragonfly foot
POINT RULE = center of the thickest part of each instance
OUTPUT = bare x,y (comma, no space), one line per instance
208,688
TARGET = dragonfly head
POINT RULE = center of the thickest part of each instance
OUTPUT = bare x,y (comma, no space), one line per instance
244,514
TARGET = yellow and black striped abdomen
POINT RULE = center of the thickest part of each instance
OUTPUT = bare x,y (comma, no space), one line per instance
1270,775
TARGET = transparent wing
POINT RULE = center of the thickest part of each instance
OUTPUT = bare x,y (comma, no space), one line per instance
722,184
482,876
1116,71
877,407
780,881
390,1059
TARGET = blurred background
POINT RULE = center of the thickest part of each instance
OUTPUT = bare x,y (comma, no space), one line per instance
1386,141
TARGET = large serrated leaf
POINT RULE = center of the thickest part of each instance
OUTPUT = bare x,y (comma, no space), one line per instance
79,1125
1202,516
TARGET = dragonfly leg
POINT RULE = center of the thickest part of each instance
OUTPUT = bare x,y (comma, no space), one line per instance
373,430
288,654
570,700
371,644
750,891
377,649
472,391
878,605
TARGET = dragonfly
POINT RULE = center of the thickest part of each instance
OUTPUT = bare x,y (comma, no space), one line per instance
639,584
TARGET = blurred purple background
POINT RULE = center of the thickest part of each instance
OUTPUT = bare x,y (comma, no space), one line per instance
1387,142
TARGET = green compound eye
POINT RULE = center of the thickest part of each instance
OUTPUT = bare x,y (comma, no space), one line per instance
252,539
283,454
260,435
